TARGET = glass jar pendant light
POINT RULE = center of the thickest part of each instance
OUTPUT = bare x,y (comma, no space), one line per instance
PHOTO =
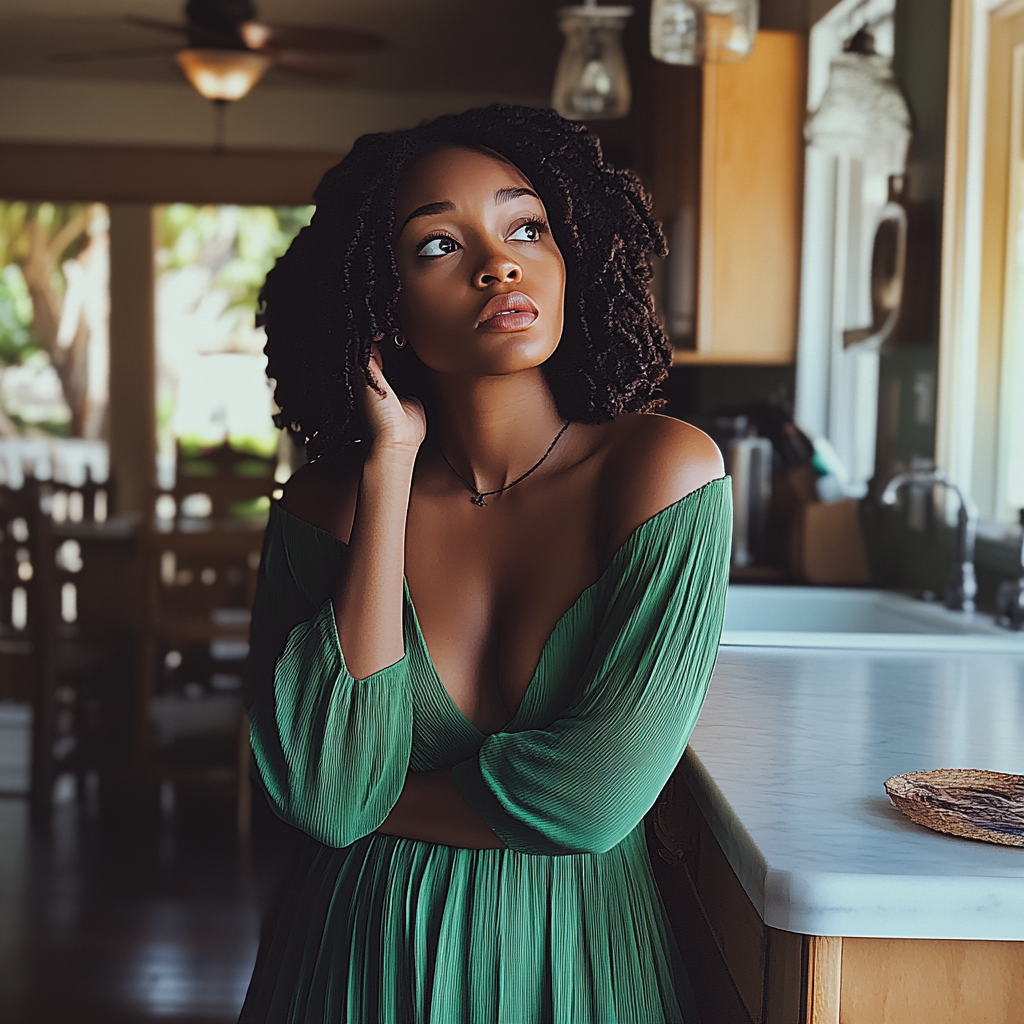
703,31
592,80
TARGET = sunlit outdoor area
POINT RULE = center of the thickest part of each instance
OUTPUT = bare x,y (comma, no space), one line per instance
54,312
54,344
211,387
211,382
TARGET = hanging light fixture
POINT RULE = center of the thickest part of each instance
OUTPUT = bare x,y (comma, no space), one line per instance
221,60
592,80
863,113
703,31
223,74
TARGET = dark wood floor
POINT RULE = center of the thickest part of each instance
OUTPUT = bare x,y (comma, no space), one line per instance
143,919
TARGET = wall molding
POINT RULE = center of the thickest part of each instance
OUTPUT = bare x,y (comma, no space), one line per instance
139,174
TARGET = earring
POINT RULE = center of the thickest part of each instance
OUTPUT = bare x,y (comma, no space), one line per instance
399,341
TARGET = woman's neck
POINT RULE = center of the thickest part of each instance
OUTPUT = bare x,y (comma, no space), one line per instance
492,429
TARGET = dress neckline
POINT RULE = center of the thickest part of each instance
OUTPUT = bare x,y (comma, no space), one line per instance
626,545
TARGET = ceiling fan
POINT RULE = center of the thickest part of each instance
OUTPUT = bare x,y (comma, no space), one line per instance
227,50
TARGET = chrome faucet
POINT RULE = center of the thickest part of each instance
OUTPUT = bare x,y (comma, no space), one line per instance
963,585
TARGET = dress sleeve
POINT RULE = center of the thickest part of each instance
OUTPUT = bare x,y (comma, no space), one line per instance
584,782
332,751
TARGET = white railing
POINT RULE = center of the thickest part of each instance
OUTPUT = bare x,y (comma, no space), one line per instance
64,460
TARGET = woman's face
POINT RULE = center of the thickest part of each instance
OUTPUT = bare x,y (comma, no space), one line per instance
483,282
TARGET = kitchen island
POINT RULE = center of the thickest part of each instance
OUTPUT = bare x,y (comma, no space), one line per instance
797,892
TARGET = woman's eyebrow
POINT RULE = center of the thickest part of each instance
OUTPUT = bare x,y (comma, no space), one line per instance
427,210
506,195
503,195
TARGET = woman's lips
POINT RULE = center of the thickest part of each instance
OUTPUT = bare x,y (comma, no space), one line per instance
513,311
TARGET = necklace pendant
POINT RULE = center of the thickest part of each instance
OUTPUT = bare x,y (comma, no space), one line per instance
478,500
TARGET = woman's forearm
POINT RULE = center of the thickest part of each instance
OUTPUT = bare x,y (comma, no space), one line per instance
368,603
433,810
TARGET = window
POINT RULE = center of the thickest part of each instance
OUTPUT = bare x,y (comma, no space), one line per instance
211,383
54,344
837,386
1008,70
981,380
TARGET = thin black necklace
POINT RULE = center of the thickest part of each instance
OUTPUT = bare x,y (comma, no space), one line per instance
479,496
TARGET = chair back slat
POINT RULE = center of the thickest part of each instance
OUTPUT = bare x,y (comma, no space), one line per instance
220,481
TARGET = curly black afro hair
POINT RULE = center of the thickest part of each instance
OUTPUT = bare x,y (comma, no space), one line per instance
336,289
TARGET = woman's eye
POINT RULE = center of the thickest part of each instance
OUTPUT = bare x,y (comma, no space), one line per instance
442,246
527,233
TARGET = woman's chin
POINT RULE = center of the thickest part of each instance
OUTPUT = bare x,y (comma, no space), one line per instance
497,354
522,350
512,364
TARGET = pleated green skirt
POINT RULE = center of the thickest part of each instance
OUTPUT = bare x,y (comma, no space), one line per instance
394,931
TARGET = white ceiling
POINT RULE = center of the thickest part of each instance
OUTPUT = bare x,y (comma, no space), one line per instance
433,45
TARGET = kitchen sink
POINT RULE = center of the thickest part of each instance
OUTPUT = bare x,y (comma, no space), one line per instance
771,616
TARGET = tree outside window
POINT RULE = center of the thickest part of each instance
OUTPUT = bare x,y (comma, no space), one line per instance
54,314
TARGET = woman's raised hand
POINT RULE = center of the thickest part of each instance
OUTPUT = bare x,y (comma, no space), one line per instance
393,421
368,603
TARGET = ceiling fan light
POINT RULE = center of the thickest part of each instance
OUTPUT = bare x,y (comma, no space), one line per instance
223,74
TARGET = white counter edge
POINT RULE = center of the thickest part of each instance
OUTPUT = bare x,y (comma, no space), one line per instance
1011,643
819,902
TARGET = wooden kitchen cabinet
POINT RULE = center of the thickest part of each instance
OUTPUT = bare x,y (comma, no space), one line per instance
725,162
744,972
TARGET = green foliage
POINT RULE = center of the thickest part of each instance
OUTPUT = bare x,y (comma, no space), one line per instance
238,243
40,428
21,226
17,342
16,220
264,447
254,508
35,241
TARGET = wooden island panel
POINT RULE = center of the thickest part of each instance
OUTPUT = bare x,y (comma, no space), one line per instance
931,981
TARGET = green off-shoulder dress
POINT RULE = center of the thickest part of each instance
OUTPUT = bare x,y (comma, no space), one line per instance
565,926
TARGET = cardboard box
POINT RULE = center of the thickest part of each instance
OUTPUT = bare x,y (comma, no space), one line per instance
826,544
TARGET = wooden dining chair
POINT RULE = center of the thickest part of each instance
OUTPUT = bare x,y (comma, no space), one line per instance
62,638
200,585
221,483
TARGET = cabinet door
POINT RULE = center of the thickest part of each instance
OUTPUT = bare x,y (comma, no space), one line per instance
746,182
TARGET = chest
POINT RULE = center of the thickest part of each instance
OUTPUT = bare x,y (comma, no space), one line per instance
489,586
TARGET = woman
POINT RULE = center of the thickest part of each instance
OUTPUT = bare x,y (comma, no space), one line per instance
489,607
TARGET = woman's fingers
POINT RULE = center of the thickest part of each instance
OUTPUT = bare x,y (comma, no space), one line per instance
390,419
376,368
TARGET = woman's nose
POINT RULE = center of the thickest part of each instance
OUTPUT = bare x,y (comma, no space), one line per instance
496,269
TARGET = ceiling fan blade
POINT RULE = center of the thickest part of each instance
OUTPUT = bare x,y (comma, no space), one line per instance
91,56
311,64
260,35
156,23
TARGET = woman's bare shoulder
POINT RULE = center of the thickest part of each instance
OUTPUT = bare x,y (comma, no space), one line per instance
652,461
323,492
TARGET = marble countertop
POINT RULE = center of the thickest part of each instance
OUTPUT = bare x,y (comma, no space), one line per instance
788,763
